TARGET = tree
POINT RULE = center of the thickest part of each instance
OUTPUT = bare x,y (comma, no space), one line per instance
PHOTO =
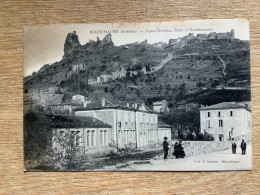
128,74
184,122
214,83
65,157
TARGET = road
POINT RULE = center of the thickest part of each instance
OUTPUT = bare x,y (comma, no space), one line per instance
223,160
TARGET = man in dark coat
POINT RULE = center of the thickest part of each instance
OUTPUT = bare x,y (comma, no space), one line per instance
243,147
165,147
234,146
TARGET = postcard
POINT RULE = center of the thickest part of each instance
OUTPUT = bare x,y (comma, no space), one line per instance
161,96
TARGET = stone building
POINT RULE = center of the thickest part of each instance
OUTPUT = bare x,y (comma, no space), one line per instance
121,72
91,136
132,124
44,97
78,99
164,130
64,108
227,120
160,106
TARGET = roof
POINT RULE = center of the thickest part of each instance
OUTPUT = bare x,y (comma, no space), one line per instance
98,104
68,104
229,105
58,121
126,105
162,124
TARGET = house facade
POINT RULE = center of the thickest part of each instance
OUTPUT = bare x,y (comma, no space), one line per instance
164,130
132,125
160,106
227,120
90,136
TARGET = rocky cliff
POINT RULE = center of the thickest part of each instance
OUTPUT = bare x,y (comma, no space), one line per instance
71,44
195,64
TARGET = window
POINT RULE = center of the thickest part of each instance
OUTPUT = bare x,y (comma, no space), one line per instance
218,114
77,139
221,137
90,138
208,114
220,123
209,124
231,113
127,136
88,135
133,136
103,138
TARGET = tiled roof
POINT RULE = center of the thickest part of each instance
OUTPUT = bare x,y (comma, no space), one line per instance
98,104
58,121
115,104
228,105
162,124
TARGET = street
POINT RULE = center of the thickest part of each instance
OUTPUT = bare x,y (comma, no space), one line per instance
223,160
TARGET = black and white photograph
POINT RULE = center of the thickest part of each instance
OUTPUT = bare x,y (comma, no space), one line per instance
158,96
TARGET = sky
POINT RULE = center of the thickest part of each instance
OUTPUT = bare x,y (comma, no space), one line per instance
45,44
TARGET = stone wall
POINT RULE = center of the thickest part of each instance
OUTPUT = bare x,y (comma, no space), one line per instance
193,148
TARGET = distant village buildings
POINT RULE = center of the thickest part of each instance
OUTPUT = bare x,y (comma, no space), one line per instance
227,120
75,69
160,106
43,97
201,37
119,73
68,108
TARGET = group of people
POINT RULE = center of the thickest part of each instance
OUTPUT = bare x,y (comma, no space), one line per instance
234,147
178,149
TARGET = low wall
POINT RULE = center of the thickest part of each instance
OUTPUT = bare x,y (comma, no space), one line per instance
192,148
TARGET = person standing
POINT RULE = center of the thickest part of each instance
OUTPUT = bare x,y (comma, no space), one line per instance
165,148
234,146
243,147
181,150
176,150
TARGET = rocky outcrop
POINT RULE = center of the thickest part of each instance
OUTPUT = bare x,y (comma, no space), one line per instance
107,40
72,43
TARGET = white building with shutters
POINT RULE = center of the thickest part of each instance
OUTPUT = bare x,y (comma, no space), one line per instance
227,120
133,124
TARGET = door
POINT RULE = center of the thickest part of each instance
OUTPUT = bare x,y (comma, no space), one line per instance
221,137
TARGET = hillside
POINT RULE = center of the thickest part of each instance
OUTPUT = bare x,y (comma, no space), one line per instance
194,67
